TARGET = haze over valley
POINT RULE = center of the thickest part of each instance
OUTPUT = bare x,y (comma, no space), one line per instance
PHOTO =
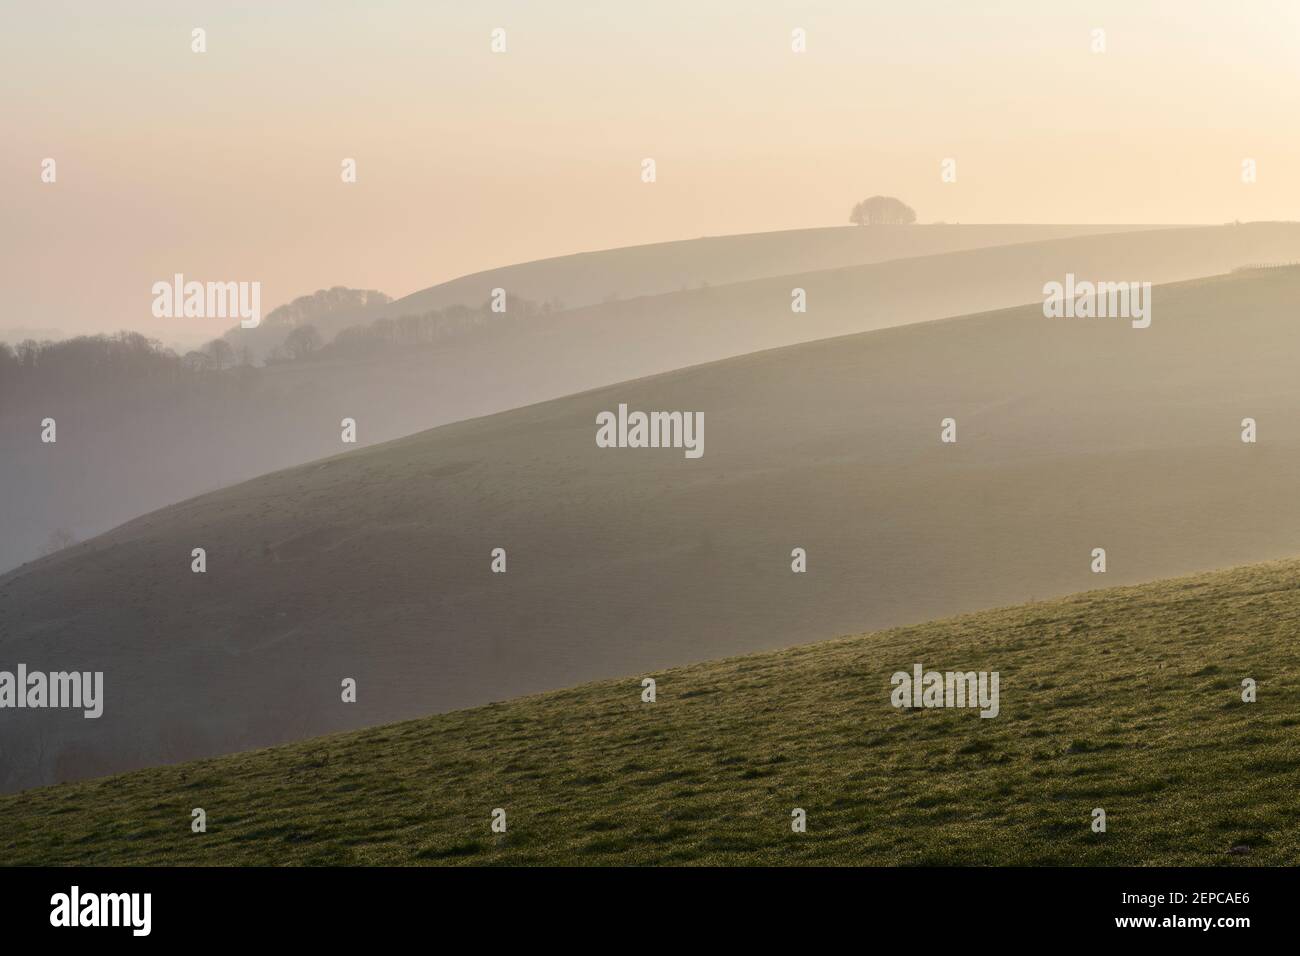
375,563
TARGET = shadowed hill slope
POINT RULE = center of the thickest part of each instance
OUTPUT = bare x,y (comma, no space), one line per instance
1128,699
1072,435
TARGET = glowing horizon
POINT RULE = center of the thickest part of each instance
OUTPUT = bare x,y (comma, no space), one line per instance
225,165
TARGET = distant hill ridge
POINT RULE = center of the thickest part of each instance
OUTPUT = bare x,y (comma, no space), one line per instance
589,278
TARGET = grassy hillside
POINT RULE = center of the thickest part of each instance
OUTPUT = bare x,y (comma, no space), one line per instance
375,564
1126,699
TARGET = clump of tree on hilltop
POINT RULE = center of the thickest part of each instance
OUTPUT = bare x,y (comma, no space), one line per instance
881,211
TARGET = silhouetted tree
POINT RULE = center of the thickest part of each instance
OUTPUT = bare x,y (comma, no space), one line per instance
301,342
59,539
882,210
220,355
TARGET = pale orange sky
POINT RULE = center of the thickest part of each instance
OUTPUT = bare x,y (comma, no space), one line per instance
225,165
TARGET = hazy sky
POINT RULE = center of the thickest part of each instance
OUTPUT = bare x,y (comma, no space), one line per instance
225,165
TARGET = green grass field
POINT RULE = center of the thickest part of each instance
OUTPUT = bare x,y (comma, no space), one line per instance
1127,699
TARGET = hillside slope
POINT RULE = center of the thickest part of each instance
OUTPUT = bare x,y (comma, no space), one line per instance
590,278
164,445
375,564
1127,699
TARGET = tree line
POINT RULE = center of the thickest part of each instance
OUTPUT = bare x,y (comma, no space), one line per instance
94,364
434,327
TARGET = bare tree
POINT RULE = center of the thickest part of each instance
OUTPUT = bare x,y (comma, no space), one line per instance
220,354
59,539
302,341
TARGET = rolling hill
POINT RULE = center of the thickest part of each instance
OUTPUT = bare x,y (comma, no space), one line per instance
1125,699
375,564
592,278
162,444
605,275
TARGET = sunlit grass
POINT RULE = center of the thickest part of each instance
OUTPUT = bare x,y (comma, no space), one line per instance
1127,699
